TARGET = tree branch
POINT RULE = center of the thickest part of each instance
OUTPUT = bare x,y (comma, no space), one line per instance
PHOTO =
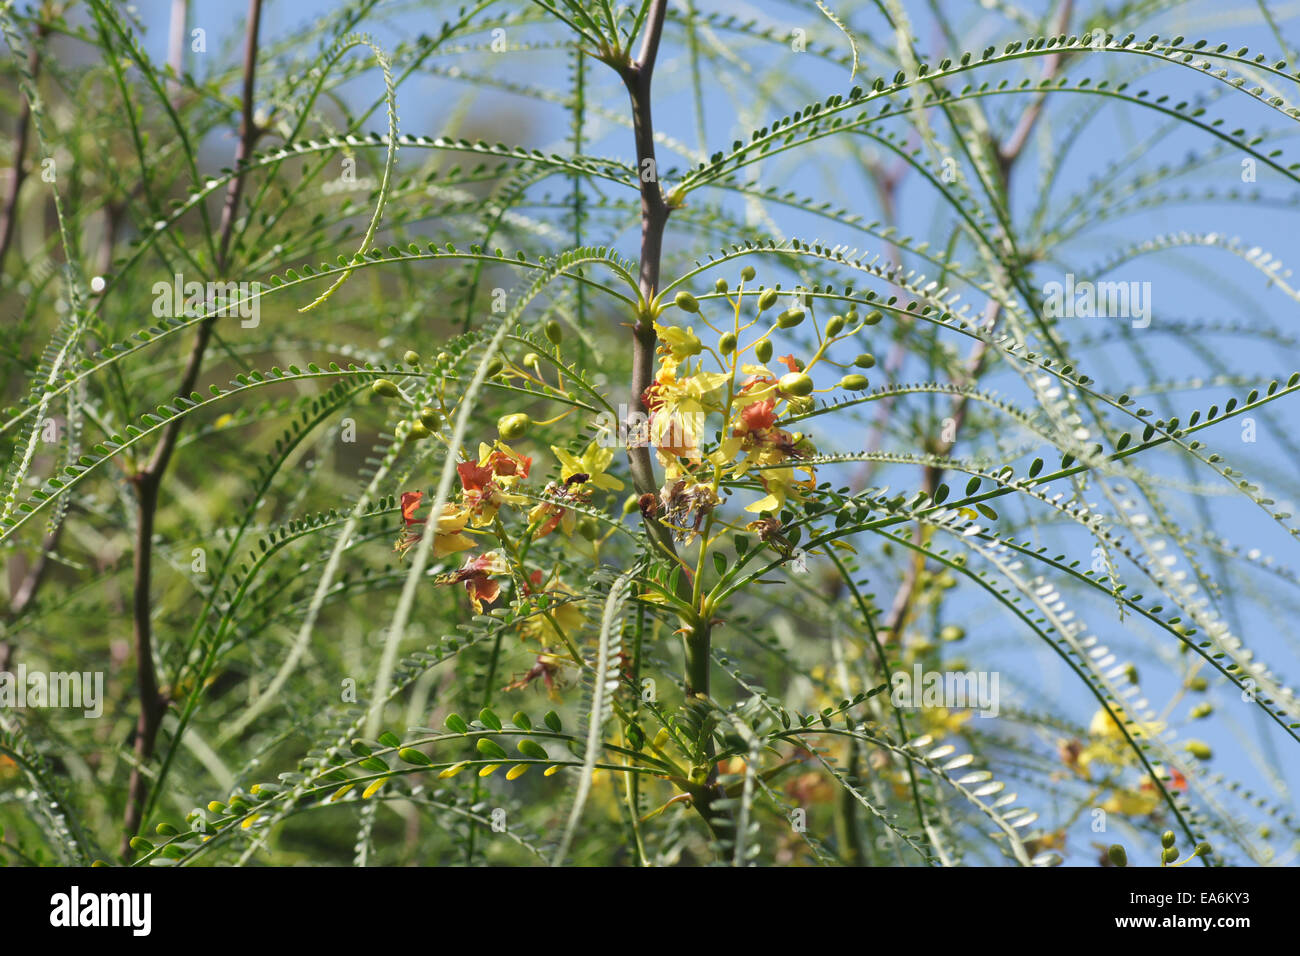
148,480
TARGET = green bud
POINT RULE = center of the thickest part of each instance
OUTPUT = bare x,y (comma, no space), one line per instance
865,360
1117,855
588,528
1169,855
495,367
720,285
687,302
384,388
411,357
1167,839
1198,749
443,356
799,406
789,318
554,332
631,505
834,326
855,383
747,273
430,417
767,299
873,317
1203,709
796,383
763,350
531,360
512,427
952,633
727,344
418,432
1202,849
1198,684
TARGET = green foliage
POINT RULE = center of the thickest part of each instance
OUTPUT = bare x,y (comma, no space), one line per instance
699,643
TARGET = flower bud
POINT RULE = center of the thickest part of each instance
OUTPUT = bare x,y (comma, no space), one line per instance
411,357
747,273
1198,749
512,427
720,286
763,350
865,360
1202,849
418,432
1203,709
430,418
631,504
554,332
495,367
796,383
952,633
443,356
834,325
687,302
767,299
1169,855
384,388
855,383
727,344
531,360
873,317
588,528
1198,683
789,318
1117,855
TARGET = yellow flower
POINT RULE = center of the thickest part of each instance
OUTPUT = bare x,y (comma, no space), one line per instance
593,463
681,343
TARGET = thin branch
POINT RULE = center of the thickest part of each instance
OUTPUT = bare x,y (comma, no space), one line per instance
148,481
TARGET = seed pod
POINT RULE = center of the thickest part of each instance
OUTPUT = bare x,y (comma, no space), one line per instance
1117,855
952,633
687,302
511,427
767,299
855,383
789,318
834,325
1198,749
747,273
554,332
384,388
873,317
727,344
1167,839
495,367
411,357
1169,855
720,285
763,350
796,383
865,360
